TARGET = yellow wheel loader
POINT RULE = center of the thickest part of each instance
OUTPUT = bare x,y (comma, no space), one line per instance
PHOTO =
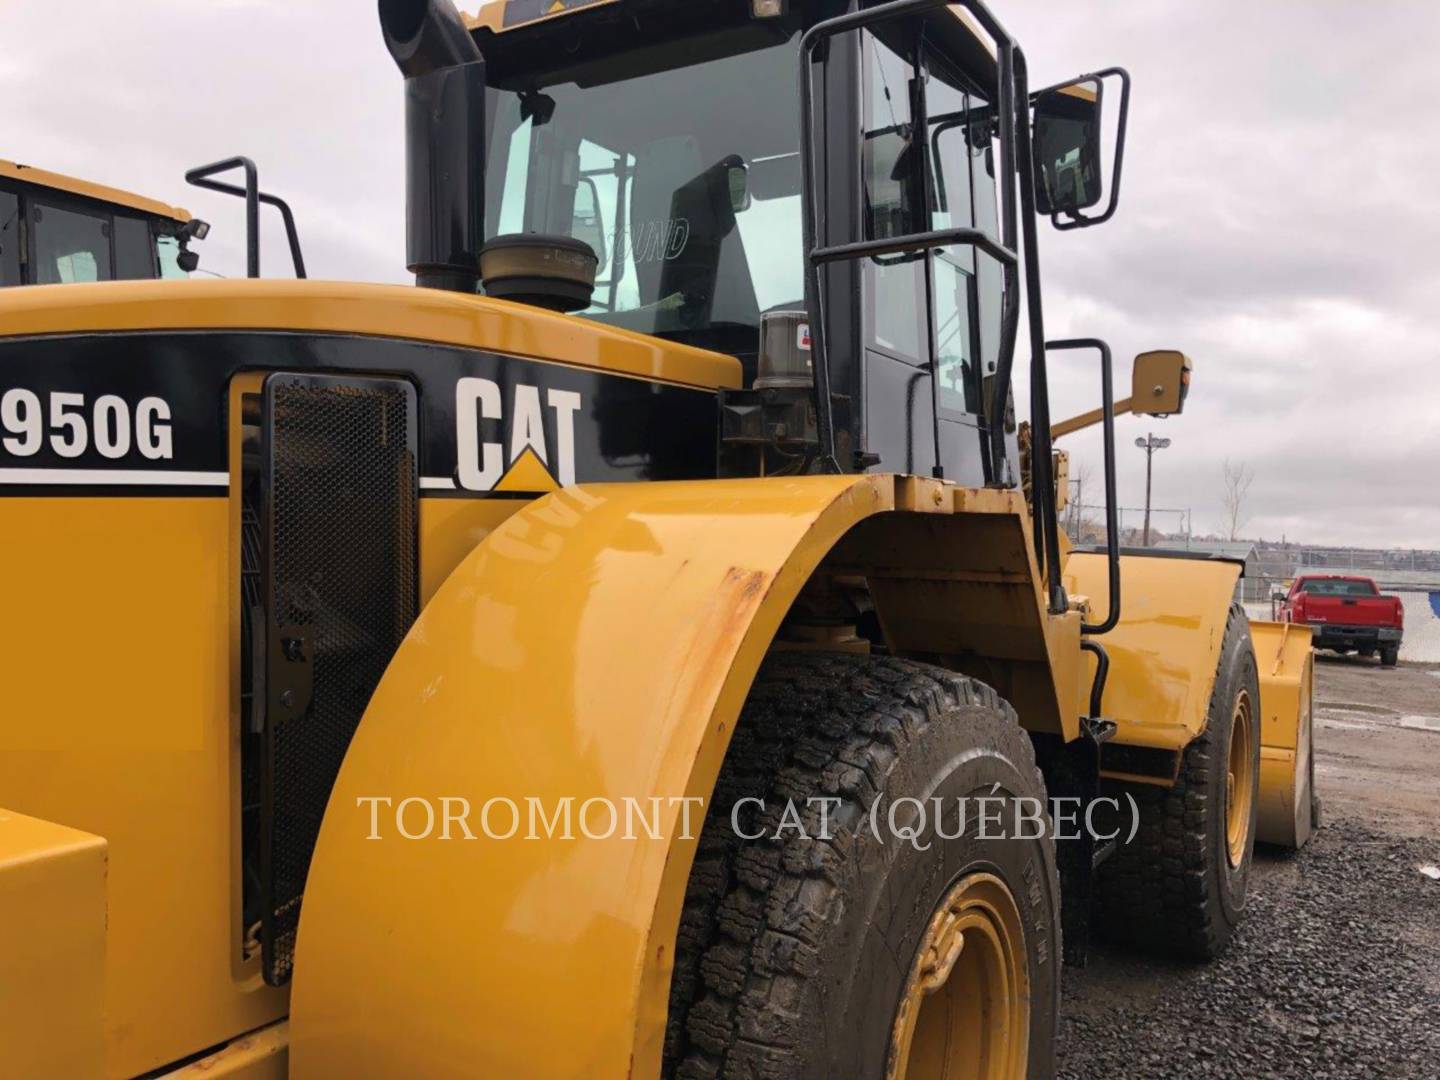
628,651
59,229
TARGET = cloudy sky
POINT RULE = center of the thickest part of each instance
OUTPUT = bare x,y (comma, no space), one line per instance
1279,220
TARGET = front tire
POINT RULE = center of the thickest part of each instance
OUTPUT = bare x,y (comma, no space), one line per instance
810,958
1180,886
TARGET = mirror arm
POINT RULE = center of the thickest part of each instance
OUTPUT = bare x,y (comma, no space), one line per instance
1075,219
1088,419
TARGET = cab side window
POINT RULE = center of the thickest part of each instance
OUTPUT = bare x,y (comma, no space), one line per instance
892,159
9,238
990,276
948,115
70,246
134,251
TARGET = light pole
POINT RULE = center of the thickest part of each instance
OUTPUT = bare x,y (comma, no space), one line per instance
1149,444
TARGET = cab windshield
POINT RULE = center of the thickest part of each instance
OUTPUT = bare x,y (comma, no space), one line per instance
684,179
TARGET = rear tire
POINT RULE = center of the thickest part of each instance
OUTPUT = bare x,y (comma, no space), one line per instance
1179,887
790,953
1389,655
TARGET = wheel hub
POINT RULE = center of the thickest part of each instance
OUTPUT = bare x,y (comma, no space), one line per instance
965,1013
1240,780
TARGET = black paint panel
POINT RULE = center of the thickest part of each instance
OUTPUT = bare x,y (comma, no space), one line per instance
625,429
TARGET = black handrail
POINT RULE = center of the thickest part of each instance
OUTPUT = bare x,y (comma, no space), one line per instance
1102,674
1112,524
915,242
1042,477
253,196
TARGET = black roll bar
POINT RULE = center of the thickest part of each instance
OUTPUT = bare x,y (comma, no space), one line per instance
1112,524
201,177
1042,471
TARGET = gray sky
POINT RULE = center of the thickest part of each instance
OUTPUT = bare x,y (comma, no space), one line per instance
1277,222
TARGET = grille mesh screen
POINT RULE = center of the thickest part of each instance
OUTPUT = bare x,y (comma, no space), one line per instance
341,587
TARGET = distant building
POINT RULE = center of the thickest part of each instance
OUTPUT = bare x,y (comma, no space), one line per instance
1253,587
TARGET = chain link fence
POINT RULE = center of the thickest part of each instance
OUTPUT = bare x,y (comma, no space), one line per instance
1270,566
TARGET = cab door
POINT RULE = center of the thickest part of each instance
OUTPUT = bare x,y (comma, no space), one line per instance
927,315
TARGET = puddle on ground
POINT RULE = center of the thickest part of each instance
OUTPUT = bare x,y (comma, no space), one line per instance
1345,725
1354,706
1421,723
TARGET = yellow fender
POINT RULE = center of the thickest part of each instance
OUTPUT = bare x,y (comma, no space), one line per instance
1163,656
1287,749
599,644
1164,652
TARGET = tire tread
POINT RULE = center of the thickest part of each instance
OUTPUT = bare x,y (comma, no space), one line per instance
1156,891
755,913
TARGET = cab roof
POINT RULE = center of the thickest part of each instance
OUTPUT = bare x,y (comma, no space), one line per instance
71,185
502,15
951,26
499,16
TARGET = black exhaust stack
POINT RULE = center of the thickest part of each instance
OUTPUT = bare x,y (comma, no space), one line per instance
444,140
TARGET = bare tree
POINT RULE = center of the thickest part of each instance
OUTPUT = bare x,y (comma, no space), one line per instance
1075,509
1238,478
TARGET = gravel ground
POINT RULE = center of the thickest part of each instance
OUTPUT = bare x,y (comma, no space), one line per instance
1336,971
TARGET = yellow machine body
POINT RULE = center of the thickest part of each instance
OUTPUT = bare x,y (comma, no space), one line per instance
500,870
598,645
1287,732
139,747
52,948
618,628
135,746
1163,657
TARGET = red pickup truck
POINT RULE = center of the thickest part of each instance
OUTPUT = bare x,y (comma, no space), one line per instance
1346,614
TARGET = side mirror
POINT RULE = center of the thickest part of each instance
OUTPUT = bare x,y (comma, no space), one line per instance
588,221
1069,168
1161,383
737,178
1067,147
1159,386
